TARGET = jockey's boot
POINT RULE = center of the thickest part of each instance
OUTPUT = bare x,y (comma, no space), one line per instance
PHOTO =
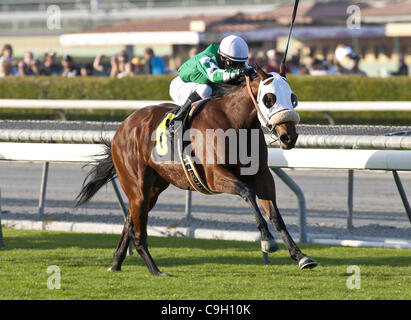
182,113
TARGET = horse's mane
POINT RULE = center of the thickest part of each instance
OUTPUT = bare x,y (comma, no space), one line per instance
224,89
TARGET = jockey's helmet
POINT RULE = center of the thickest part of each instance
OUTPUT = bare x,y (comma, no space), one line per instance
234,51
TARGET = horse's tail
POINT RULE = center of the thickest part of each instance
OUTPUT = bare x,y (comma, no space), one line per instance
101,173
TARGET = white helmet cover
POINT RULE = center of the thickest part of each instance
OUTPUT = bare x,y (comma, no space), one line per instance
234,48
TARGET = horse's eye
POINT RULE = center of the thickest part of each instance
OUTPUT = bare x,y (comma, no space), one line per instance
269,100
294,100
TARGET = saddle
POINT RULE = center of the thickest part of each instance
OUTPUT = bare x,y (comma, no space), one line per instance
168,148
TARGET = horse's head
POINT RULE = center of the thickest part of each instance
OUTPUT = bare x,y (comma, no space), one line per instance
276,101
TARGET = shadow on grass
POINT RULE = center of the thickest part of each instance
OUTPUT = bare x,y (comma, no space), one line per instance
325,255
275,260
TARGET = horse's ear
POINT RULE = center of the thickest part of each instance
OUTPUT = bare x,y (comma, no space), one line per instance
261,73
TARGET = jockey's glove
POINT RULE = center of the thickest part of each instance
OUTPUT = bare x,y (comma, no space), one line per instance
250,72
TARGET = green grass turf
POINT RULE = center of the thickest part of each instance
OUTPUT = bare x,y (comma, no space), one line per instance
203,269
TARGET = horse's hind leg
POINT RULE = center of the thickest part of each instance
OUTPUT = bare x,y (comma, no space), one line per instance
159,185
139,237
142,187
121,251
139,214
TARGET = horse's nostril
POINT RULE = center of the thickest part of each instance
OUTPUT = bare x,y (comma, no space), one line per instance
285,138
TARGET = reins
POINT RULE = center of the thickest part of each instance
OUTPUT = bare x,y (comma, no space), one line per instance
250,92
267,124
282,73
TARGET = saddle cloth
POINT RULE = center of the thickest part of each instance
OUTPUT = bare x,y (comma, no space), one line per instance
168,148
164,144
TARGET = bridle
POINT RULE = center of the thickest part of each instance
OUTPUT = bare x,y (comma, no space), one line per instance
282,73
250,92
273,133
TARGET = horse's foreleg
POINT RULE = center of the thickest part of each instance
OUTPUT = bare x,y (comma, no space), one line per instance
270,208
266,197
272,212
228,183
268,243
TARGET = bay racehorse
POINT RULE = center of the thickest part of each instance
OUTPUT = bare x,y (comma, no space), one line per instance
265,99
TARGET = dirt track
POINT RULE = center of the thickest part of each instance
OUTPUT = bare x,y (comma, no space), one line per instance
378,210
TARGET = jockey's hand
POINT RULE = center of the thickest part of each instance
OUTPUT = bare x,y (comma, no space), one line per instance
250,72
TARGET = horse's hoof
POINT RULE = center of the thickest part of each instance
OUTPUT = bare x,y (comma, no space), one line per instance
268,246
307,263
111,269
160,274
166,275
265,258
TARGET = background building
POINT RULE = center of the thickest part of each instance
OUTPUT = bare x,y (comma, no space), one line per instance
88,28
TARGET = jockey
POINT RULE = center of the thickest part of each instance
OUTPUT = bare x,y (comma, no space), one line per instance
216,64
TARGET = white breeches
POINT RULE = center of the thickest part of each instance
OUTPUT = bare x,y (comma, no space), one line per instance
180,90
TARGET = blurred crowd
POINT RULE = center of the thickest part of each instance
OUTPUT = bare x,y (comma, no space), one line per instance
119,65
345,61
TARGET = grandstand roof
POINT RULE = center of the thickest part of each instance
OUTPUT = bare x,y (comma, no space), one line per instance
402,8
311,17
308,14
155,24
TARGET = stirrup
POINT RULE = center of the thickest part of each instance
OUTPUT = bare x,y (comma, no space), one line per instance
182,113
172,129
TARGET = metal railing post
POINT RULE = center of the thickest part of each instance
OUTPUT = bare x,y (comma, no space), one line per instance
330,118
187,211
119,198
402,194
350,200
43,188
301,201
1,229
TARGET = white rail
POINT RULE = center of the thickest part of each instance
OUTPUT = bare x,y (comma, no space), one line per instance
72,136
340,159
307,141
354,141
277,158
45,152
77,104
138,104
392,160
